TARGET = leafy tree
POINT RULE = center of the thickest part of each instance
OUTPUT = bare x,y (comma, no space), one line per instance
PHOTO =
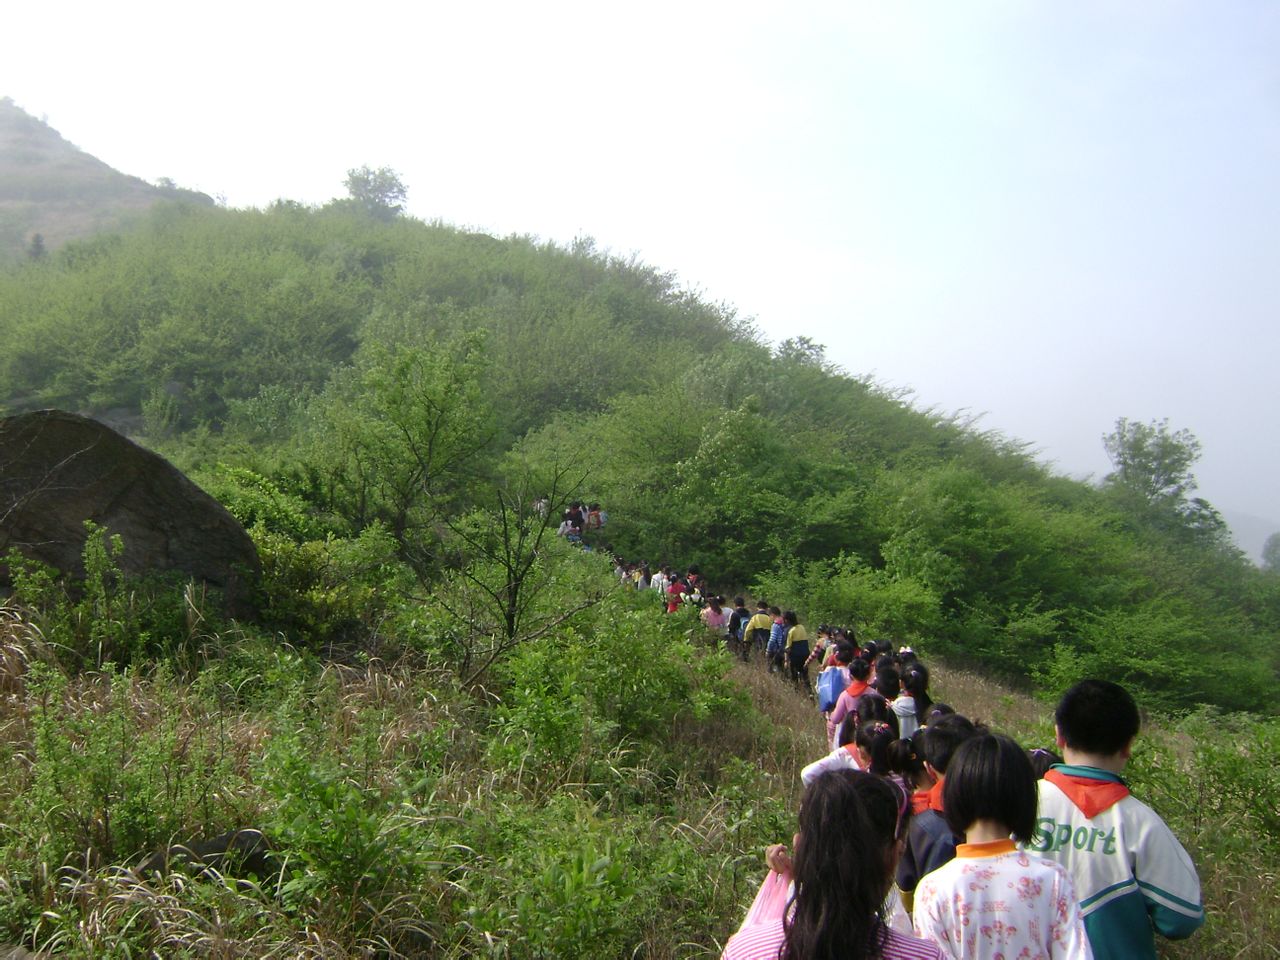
380,193
1151,461
37,249
1153,478
399,438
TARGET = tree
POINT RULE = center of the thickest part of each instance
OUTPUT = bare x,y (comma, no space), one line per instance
1271,553
401,436
1151,461
380,193
37,249
1153,478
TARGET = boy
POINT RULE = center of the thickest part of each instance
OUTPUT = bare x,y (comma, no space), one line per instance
1130,872
930,840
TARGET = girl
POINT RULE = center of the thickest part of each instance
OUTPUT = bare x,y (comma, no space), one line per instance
847,703
993,899
914,701
851,830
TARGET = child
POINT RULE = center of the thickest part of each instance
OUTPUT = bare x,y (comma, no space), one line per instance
931,842
847,702
1132,875
795,651
914,701
850,825
844,757
994,900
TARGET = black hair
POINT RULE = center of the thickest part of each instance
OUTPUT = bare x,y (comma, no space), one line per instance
938,711
916,682
844,652
776,611
1097,716
762,604
990,778
869,651
859,669
887,681
849,822
941,739
905,762
790,617
739,601
875,739
848,730
873,709
884,646
886,660
1041,760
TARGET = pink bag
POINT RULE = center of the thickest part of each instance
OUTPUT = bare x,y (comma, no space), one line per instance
771,902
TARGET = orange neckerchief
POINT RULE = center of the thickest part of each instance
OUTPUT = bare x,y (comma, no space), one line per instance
856,688
935,796
920,801
1091,796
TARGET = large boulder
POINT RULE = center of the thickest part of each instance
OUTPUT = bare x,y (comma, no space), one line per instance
58,470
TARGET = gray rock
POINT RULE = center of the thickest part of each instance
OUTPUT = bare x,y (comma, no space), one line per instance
58,470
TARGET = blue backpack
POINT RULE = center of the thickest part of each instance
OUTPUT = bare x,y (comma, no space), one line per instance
831,683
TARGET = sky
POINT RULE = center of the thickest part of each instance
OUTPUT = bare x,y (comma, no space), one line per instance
1051,215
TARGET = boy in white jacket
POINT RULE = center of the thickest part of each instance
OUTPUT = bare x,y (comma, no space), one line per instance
1133,877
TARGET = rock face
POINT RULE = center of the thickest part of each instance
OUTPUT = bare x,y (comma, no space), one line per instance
58,470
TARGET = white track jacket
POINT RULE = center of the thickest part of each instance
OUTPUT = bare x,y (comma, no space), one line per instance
1130,872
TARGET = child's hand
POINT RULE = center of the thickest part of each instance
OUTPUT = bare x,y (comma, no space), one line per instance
777,858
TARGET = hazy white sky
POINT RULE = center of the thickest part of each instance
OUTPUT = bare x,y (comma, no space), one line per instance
1056,214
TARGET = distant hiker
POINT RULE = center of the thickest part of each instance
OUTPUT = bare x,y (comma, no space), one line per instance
661,580
777,640
715,616
796,651
1133,877
755,635
913,702
569,529
675,594
737,626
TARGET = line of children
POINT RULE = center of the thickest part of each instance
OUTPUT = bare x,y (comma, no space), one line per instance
992,865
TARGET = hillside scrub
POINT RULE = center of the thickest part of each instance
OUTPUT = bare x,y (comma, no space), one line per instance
581,800
392,374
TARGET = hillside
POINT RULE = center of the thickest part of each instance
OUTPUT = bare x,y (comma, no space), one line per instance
51,188
400,374
456,734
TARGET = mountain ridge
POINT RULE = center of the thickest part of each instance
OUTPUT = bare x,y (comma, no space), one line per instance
52,189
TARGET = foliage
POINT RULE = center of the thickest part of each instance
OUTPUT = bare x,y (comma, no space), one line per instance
106,618
379,193
331,590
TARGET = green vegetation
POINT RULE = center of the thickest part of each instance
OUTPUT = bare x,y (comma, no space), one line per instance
459,735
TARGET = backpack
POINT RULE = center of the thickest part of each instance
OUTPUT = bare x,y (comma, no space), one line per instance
831,683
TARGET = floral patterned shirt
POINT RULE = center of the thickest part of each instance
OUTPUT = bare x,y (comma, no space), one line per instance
996,902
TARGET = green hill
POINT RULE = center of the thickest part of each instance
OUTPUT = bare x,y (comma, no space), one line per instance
459,735
50,188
